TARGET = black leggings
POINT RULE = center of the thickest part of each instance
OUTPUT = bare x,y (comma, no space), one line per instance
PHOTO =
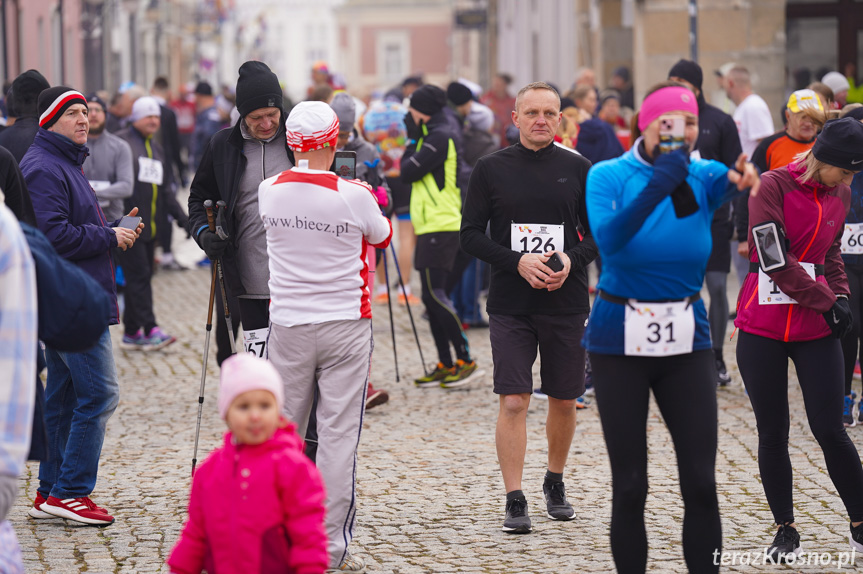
763,363
685,389
850,343
443,320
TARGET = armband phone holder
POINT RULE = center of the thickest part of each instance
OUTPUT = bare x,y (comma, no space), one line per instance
770,244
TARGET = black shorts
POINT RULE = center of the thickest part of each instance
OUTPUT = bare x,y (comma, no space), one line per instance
514,343
401,195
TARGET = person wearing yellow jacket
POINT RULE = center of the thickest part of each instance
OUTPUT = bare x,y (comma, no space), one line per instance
430,164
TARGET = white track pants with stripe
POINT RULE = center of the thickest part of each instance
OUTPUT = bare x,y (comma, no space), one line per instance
335,356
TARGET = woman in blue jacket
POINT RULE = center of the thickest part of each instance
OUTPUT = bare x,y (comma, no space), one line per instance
648,330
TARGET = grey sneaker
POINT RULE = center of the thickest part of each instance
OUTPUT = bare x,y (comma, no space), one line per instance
557,506
517,521
351,563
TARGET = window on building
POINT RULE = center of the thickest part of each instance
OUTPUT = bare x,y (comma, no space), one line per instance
393,56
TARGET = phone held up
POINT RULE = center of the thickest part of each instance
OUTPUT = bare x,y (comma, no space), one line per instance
672,129
129,222
555,263
345,164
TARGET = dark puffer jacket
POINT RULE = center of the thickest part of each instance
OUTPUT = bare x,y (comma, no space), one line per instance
67,210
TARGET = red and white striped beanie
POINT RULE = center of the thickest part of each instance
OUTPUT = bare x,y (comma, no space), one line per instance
54,101
311,126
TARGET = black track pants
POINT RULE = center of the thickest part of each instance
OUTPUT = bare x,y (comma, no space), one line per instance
851,348
443,320
763,363
685,390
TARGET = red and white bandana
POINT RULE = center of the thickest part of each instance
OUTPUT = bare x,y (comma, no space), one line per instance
311,126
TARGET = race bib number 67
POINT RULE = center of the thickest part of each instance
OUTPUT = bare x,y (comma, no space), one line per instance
536,238
255,342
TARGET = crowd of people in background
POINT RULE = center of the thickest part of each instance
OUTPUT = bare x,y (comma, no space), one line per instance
519,199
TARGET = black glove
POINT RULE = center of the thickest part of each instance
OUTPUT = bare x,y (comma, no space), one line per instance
212,244
414,131
670,169
839,318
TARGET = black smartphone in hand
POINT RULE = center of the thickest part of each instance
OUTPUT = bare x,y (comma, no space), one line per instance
554,262
345,164
130,222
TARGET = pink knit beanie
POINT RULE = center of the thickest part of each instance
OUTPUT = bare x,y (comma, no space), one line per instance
244,372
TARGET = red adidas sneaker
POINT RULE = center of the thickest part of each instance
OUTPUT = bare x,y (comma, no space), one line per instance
80,509
35,511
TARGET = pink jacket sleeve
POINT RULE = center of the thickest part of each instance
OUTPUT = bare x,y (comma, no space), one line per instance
768,205
189,552
301,493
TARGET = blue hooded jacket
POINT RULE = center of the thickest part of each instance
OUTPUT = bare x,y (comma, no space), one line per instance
67,210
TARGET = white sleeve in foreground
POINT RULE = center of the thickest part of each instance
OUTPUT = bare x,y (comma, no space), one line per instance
376,228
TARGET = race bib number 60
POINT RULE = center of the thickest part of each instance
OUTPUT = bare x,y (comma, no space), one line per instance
536,238
852,239
658,329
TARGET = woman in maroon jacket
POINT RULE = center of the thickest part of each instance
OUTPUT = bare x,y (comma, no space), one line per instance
794,304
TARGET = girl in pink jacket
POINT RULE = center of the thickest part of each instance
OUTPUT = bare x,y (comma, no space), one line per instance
257,503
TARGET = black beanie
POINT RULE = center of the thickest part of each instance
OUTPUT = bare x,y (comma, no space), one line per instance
258,87
689,71
26,89
94,97
840,144
458,93
54,101
856,113
204,89
428,99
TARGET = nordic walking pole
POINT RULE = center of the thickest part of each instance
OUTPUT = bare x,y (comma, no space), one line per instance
408,305
208,205
390,305
219,229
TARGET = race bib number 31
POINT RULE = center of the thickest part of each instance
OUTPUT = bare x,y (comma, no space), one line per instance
255,342
536,237
852,239
658,329
769,292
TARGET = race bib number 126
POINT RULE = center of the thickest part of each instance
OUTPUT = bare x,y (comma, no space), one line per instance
536,238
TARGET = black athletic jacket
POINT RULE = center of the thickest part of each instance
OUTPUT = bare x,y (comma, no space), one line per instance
218,178
519,185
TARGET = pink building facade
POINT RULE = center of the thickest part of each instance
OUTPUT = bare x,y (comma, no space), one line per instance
45,35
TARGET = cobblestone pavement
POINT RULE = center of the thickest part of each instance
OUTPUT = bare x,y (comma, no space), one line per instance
430,495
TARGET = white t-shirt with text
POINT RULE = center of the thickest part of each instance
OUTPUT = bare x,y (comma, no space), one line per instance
318,229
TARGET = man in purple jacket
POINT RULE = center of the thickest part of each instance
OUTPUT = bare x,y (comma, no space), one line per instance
82,390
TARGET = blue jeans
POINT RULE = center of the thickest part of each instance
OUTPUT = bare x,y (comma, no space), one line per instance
81,395
465,295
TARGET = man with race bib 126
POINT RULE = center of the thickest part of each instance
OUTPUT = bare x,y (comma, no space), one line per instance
532,195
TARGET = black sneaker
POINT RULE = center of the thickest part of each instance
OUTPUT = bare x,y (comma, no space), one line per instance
786,543
557,506
722,376
517,521
856,538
